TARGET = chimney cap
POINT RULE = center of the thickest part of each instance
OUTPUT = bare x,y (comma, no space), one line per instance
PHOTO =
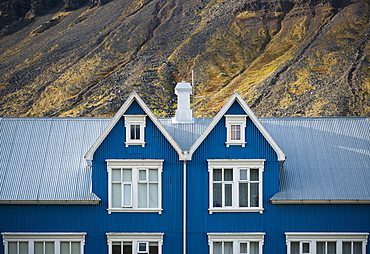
183,87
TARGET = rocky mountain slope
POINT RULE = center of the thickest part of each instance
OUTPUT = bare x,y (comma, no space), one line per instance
285,57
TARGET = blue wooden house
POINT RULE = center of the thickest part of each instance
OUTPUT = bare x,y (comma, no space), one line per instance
233,183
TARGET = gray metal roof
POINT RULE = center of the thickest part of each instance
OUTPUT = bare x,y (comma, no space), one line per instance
185,134
42,158
327,158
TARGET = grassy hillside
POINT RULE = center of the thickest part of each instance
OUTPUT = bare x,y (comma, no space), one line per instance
286,58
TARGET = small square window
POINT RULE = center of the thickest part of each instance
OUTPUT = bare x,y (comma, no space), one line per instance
235,125
135,126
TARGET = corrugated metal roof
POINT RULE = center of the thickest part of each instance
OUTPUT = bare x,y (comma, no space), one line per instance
42,158
327,158
185,134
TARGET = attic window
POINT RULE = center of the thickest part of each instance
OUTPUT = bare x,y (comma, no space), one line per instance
235,125
135,125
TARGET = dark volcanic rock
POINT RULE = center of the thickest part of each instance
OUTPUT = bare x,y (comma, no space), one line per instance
285,57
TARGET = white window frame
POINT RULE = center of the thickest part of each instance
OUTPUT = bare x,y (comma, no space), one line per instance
135,120
135,165
313,238
31,238
239,120
237,239
236,165
135,238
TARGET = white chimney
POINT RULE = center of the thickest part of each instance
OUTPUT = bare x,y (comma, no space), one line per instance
183,113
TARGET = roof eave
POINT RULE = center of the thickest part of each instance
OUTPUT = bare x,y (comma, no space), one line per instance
320,202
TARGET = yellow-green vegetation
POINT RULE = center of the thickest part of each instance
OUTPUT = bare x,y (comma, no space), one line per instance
299,29
246,14
29,60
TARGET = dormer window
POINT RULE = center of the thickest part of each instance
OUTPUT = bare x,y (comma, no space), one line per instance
135,125
235,125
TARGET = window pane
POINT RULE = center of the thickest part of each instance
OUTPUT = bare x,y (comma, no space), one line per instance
235,132
254,195
228,195
142,175
320,248
75,248
153,195
243,194
294,248
217,194
64,248
38,247
23,248
346,248
217,248
135,132
116,248
228,248
12,248
254,174
127,175
153,248
243,174
142,246
116,174
127,195
116,195
153,175
243,248
49,248
254,248
142,195
357,247
332,248
217,174
127,248
305,248
228,174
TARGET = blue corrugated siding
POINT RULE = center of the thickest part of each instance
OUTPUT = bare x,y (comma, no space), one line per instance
157,147
276,219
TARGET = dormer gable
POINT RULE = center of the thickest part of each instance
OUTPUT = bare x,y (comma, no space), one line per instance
135,124
235,122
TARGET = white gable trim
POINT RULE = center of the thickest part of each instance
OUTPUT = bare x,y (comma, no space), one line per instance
236,97
89,156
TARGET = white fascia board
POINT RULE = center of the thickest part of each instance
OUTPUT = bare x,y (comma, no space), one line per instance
236,97
134,96
320,202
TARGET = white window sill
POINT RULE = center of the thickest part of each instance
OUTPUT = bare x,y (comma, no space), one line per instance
236,210
235,144
134,210
133,143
